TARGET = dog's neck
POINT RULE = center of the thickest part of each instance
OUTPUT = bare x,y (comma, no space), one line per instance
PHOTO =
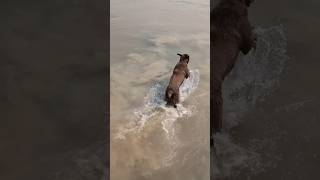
183,61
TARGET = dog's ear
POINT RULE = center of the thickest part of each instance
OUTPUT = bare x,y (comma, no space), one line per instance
248,2
179,54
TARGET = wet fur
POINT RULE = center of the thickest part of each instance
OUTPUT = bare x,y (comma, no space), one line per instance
180,72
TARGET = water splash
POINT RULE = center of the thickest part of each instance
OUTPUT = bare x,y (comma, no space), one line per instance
254,77
154,105
154,110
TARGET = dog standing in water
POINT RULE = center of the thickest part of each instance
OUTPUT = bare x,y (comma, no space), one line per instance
231,33
180,72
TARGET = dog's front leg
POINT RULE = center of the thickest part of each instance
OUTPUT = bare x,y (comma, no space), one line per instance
248,37
187,74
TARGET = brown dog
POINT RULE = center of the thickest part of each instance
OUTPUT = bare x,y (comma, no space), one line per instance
180,72
231,33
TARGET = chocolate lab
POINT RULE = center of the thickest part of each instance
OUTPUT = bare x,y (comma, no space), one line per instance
231,33
180,72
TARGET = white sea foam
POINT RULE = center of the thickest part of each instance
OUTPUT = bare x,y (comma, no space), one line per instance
154,105
154,109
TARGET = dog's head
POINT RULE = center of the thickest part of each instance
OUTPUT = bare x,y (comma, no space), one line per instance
247,2
184,57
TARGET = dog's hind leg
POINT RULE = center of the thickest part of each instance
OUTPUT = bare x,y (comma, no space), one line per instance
168,96
176,99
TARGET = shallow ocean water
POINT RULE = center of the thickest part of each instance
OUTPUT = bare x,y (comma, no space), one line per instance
149,140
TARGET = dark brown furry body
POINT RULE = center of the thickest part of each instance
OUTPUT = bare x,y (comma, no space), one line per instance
180,73
231,33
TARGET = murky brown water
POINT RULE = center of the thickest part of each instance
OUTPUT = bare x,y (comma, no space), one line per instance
149,140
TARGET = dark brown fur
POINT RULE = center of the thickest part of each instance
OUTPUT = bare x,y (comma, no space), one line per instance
231,33
180,72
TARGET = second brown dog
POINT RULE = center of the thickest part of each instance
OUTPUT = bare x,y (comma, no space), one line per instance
231,32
